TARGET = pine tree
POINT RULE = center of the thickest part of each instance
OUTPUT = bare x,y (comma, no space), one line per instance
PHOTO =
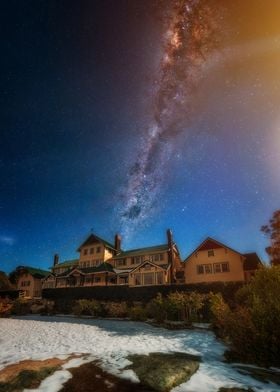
273,231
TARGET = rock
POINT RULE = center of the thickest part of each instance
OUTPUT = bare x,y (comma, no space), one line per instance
90,377
260,374
161,371
235,390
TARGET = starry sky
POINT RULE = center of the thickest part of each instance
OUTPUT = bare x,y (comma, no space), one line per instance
134,116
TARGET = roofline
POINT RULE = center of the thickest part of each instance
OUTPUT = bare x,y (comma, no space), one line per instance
120,255
150,262
254,253
106,243
217,242
50,274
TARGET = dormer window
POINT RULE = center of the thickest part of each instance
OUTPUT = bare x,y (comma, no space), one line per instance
210,253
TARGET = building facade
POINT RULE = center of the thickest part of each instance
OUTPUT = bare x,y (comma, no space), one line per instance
213,261
30,281
101,263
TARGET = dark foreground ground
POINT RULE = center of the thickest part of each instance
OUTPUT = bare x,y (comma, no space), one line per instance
90,378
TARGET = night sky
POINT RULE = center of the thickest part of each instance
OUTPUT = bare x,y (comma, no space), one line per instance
134,116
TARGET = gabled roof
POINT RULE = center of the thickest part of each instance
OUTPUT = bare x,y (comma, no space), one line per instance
35,272
210,243
122,271
104,267
141,251
66,263
162,266
252,261
49,274
93,239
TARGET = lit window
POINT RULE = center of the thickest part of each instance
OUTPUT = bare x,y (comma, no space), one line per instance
210,253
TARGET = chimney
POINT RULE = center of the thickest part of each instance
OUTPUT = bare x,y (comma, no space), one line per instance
118,242
170,254
55,259
169,238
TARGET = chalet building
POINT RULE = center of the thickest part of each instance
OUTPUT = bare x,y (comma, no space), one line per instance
213,261
30,281
101,263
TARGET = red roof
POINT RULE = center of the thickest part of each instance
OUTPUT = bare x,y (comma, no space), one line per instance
210,244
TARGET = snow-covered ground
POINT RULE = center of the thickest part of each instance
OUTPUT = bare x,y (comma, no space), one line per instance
37,337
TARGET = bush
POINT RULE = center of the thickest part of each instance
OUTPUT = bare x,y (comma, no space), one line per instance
156,308
5,309
184,306
253,325
116,309
21,307
87,307
138,313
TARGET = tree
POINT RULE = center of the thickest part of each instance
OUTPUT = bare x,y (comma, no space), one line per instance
273,231
4,282
252,326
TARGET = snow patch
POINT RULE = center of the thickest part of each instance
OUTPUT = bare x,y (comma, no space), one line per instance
110,342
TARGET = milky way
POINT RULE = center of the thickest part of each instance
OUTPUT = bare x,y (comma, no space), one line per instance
190,40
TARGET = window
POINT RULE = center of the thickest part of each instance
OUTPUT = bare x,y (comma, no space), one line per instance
208,268
217,268
225,267
97,279
221,267
159,277
147,267
88,279
138,279
136,259
25,283
121,262
85,251
200,269
98,249
204,269
157,257
91,251
87,264
148,278
210,253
